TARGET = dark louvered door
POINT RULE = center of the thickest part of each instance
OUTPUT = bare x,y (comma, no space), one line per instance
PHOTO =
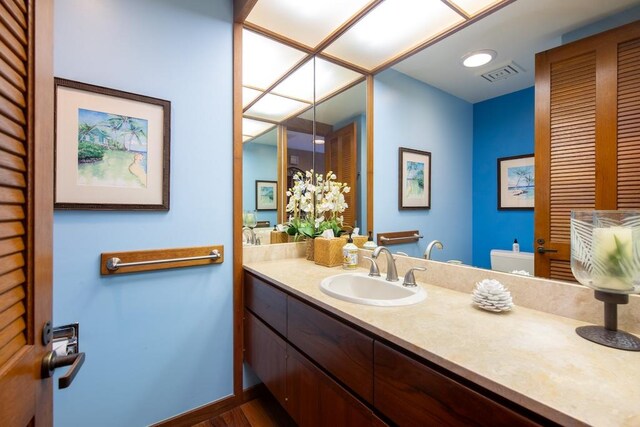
587,137
25,208
340,158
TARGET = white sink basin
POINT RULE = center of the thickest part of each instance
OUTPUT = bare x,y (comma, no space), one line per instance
362,289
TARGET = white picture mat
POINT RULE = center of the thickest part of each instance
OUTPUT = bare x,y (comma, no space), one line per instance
267,206
423,201
69,100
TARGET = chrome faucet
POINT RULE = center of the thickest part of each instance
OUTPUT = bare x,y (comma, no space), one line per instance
252,240
436,243
392,273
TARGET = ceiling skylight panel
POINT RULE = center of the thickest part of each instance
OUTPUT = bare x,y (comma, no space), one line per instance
248,95
274,107
264,60
308,22
392,27
252,127
474,6
299,84
331,77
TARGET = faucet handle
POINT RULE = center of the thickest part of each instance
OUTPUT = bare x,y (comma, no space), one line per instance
373,270
409,278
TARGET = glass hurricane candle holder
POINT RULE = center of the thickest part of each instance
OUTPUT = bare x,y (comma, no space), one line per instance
605,256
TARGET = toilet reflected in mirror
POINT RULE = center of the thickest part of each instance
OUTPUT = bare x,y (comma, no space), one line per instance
512,262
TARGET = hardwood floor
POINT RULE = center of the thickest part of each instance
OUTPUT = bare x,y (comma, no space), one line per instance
261,412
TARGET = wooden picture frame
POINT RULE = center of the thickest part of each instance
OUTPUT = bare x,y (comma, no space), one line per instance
266,195
112,149
516,182
414,179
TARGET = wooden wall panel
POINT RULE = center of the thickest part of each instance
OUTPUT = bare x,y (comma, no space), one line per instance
573,136
13,180
629,125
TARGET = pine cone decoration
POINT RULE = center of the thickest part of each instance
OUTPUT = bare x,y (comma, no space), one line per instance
491,295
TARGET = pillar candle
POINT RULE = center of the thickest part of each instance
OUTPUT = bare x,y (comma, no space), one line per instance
612,246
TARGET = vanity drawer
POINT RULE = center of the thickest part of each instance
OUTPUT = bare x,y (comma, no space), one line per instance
266,302
266,353
341,350
410,393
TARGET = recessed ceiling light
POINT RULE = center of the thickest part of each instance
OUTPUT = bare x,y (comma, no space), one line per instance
478,58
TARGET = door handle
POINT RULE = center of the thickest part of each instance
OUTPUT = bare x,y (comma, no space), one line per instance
543,250
51,361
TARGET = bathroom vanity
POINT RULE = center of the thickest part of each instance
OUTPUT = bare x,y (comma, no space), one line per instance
438,362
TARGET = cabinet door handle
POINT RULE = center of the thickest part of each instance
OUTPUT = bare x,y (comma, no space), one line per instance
51,361
543,250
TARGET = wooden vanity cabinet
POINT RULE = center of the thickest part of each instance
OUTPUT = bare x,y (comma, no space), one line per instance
344,352
309,395
266,353
314,399
325,372
410,393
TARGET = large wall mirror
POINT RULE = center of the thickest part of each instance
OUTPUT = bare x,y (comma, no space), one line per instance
423,99
297,108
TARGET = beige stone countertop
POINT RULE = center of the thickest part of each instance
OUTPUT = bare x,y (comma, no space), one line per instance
530,357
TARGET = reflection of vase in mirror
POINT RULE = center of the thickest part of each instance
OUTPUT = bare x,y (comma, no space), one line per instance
251,219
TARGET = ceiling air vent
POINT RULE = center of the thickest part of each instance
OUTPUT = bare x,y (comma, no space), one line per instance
503,72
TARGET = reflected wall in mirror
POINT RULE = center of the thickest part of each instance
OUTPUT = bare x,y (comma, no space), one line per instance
285,131
467,121
467,118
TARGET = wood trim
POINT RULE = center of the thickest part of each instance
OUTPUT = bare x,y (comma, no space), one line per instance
238,304
242,9
281,135
343,63
41,210
160,254
369,119
607,126
212,410
542,154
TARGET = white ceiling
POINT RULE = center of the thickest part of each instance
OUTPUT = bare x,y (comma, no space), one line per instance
516,32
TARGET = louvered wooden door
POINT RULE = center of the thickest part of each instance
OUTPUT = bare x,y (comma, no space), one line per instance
26,123
587,137
340,156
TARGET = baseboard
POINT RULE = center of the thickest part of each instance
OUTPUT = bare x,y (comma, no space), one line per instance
213,409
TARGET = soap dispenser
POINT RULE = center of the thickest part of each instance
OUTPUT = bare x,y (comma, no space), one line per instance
370,244
349,255
516,245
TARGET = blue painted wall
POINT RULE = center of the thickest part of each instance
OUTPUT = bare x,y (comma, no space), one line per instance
260,162
502,127
412,114
158,343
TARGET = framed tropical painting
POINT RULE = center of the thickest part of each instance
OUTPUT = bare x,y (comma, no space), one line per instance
266,195
111,149
414,179
516,183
